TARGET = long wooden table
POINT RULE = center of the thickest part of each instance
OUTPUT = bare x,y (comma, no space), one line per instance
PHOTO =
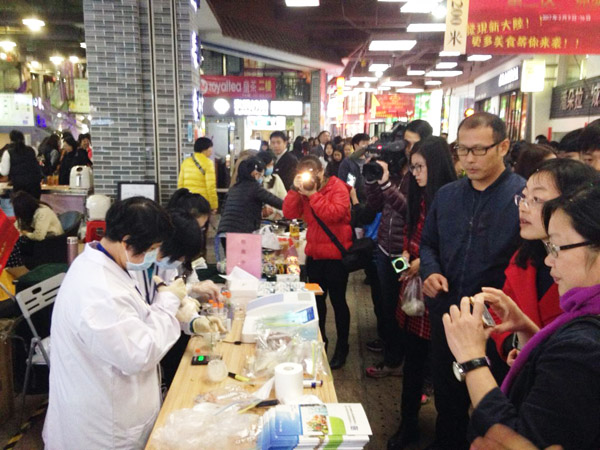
190,381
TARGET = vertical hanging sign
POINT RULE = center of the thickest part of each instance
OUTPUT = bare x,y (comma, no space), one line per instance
457,17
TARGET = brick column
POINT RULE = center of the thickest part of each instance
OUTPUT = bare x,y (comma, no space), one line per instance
141,86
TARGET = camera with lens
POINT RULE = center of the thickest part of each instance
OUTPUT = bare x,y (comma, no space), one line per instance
308,181
391,149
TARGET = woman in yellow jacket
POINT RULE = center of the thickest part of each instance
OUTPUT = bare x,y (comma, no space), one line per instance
197,173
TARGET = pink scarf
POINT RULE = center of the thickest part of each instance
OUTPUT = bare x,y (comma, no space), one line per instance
575,303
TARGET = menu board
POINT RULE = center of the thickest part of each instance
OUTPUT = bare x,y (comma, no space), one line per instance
16,110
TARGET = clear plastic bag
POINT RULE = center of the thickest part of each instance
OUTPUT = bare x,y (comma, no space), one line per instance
412,302
207,427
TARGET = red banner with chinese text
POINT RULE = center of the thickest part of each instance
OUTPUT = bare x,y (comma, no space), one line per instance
395,105
238,87
533,26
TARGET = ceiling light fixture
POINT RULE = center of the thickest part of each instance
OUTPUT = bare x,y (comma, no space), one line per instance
379,74
7,46
367,85
446,65
56,59
351,82
419,6
301,3
445,53
439,12
397,83
363,79
365,90
34,24
401,45
34,65
415,73
74,59
409,90
376,67
83,45
426,27
433,83
473,58
3,56
443,73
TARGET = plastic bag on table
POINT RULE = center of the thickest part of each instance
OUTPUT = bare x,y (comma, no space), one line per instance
207,427
276,346
412,302
268,238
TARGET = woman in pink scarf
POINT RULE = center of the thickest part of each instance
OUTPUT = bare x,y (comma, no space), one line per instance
552,393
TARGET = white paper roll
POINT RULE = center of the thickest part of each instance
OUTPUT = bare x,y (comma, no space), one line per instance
288,382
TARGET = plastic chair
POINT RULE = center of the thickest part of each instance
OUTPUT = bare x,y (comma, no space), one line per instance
70,222
30,301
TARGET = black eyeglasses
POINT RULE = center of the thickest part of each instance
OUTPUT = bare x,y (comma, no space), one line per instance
553,249
416,169
461,150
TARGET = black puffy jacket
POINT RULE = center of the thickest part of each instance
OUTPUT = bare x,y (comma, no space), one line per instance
390,200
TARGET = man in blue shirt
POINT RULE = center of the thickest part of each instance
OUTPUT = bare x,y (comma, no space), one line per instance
471,232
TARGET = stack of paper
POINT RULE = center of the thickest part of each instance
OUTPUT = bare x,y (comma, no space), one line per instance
331,425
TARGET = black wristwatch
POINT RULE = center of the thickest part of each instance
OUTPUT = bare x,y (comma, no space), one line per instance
461,369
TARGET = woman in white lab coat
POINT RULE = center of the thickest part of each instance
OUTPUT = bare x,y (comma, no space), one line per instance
107,340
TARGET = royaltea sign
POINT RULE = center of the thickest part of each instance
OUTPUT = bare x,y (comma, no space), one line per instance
238,87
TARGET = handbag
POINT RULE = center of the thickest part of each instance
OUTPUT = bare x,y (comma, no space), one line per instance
360,253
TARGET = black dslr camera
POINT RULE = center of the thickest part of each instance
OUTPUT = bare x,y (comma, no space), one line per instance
391,149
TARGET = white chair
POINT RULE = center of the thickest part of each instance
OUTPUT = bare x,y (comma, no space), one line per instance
30,301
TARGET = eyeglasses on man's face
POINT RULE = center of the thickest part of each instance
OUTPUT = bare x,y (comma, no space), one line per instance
553,249
416,168
478,150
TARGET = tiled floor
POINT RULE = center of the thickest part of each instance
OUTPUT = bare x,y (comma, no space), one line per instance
380,398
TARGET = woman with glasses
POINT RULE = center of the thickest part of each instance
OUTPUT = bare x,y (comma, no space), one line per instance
551,395
528,281
431,167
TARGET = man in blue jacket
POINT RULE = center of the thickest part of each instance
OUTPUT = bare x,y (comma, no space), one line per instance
471,231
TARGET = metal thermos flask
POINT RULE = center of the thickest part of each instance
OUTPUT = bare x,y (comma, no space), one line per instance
72,248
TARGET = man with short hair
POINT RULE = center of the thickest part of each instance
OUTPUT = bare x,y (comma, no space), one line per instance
324,137
589,142
351,167
285,162
470,234
569,147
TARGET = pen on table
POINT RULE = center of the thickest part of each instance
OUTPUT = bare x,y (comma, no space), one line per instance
312,383
235,376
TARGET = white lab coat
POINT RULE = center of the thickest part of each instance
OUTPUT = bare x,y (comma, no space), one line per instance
106,346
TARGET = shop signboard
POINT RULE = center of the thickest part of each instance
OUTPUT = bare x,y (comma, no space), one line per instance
238,87
82,96
287,108
580,98
533,26
16,110
509,80
394,105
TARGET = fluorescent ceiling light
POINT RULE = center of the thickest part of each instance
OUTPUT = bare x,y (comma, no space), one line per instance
34,24
415,73
446,65
35,65
445,53
3,56
479,57
367,85
57,59
347,88
443,73
7,46
419,6
426,27
391,46
409,90
364,79
74,59
301,3
378,67
397,83
433,83
384,88
83,45
379,74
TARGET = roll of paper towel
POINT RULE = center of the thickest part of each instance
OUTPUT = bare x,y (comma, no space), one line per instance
288,382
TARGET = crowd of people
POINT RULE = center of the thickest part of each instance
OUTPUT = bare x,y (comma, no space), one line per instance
501,240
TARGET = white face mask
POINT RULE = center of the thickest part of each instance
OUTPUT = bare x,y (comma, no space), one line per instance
149,259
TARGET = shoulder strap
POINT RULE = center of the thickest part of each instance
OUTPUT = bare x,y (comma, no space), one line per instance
329,233
198,165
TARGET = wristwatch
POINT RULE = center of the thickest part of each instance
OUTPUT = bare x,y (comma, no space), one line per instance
460,369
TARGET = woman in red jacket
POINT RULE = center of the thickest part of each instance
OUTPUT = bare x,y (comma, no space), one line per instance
329,199
528,281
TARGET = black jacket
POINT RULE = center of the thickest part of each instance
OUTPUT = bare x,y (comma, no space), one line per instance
555,399
74,158
242,212
286,169
351,173
470,236
24,167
